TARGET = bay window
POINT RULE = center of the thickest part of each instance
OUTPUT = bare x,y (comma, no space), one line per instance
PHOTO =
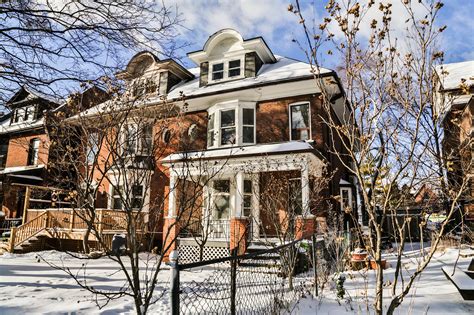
227,130
300,121
231,123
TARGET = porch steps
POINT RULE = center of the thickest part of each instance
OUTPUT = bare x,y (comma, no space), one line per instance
33,244
269,262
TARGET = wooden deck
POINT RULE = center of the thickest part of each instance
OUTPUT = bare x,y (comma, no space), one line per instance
71,224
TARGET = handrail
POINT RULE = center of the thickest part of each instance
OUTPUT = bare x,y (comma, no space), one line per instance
29,229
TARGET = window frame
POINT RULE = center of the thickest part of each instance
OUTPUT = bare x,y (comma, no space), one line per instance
238,108
139,150
226,69
33,152
290,120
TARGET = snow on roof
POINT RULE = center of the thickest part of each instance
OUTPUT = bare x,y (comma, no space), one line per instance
283,69
16,169
259,149
455,72
7,128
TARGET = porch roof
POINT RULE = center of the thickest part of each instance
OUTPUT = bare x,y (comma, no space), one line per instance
292,155
244,151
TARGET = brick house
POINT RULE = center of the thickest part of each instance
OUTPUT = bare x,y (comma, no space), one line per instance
247,117
24,148
455,104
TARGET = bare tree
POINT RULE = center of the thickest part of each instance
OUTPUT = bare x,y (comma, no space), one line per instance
392,122
109,157
48,44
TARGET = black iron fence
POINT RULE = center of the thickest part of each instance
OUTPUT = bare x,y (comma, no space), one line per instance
260,282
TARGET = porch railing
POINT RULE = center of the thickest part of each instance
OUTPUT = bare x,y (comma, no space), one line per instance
212,228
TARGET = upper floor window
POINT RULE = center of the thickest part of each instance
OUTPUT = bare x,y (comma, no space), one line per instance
33,151
92,147
24,114
300,124
137,139
142,87
224,70
230,124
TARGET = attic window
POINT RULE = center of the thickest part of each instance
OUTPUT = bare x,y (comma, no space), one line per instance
226,70
234,68
218,71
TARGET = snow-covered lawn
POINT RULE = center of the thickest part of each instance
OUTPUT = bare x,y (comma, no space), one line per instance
28,285
431,293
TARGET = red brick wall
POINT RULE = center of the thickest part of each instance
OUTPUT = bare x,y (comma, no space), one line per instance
18,149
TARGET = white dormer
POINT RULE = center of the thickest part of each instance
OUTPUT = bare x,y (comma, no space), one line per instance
146,74
227,56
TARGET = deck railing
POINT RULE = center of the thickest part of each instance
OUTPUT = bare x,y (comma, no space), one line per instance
69,221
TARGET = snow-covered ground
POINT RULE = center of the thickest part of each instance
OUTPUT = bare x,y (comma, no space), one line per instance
28,285
431,293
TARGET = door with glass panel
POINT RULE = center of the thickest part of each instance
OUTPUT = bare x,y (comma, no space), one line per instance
220,210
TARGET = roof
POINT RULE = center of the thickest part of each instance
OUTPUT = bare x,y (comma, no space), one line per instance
235,152
28,90
283,70
22,126
452,74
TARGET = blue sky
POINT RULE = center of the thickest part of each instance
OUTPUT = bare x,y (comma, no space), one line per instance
270,19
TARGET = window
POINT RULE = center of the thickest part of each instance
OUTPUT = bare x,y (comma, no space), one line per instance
248,125
137,140
221,71
231,123
346,199
217,71
221,199
295,199
227,130
92,147
3,154
137,196
30,113
247,198
234,68
19,115
210,131
117,197
33,152
300,122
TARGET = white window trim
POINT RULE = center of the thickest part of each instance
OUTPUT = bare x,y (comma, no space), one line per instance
289,119
349,194
117,181
226,61
237,106
138,149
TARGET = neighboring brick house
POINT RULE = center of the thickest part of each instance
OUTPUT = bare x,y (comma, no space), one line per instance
25,147
455,104
244,107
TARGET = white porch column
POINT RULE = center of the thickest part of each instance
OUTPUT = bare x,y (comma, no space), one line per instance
255,205
172,197
305,190
239,184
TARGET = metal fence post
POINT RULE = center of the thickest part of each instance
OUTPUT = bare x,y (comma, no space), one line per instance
315,266
174,285
233,282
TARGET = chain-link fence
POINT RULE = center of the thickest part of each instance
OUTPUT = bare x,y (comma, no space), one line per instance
261,282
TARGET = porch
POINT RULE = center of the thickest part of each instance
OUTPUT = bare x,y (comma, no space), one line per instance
240,206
